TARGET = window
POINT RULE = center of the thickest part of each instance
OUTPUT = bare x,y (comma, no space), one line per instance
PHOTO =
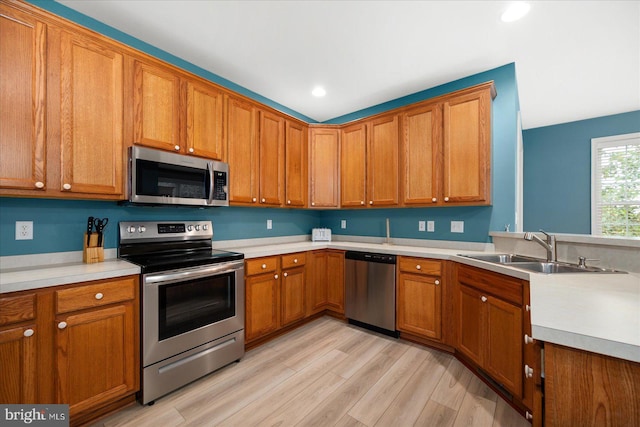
615,186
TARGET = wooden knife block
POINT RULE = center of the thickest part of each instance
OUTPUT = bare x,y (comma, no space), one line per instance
92,253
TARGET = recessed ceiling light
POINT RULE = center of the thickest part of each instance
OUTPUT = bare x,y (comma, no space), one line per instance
319,92
515,11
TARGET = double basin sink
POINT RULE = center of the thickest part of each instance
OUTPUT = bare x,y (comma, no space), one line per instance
539,265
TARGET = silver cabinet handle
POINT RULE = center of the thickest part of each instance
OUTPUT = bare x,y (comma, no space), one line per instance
66,186
370,202
62,325
528,339
263,200
528,371
191,150
434,200
295,260
39,184
483,298
288,202
437,282
418,267
254,200
263,266
28,332
313,203
362,202
99,296
177,148
528,415
527,307
284,274
446,199
275,276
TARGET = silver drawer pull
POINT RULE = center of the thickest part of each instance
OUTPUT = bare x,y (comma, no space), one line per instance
264,266
527,339
99,296
483,298
28,332
437,282
62,325
418,267
528,371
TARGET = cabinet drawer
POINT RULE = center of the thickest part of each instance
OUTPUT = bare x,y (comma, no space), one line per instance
95,295
260,265
504,287
293,260
17,309
420,266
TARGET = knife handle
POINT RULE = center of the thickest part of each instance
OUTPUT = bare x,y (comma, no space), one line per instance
89,228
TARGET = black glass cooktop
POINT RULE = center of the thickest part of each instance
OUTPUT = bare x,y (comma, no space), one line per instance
172,260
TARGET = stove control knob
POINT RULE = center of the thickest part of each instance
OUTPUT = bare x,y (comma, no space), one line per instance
142,229
131,229
197,227
189,227
205,227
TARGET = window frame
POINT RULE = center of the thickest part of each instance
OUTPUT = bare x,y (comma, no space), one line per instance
596,144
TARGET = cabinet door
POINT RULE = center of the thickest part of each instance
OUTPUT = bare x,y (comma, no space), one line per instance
242,152
471,323
23,76
467,148
96,356
271,149
317,282
262,305
18,367
382,162
504,344
335,281
419,305
91,117
156,100
421,158
205,117
293,295
296,159
324,168
353,170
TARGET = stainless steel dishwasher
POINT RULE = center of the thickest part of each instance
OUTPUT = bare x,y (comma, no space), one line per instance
370,282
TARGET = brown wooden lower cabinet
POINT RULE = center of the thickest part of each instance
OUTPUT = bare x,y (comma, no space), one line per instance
75,345
587,389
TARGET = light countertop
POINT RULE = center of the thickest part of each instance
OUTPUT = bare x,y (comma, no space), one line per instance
594,312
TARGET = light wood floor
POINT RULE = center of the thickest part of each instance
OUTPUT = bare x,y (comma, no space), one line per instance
328,373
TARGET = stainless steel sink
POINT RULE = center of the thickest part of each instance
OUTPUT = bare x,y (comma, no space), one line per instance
503,258
537,265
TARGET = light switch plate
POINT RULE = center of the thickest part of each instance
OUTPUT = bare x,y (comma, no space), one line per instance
431,226
422,226
269,224
457,226
343,223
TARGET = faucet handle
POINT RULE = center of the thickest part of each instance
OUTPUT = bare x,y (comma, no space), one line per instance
582,261
544,232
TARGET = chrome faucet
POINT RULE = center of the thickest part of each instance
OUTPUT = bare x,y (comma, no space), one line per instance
549,245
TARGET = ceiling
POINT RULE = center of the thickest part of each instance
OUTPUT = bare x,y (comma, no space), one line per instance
574,59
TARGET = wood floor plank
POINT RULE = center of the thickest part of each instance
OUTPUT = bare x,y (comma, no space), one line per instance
134,416
506,416
436,415
373,404
408,405
453,385
479,388
475,411
348,421
287,391
360,355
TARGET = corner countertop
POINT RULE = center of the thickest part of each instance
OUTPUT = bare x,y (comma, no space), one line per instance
594,312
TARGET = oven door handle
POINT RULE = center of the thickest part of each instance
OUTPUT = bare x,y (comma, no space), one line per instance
182,275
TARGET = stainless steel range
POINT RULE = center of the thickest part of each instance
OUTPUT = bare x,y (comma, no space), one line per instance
192,302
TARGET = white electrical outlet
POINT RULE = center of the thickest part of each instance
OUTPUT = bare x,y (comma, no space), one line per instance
457,226
343,223
24,230
421,226
431,226
269,224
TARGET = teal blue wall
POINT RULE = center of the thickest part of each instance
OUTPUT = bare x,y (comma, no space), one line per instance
557,171
58,225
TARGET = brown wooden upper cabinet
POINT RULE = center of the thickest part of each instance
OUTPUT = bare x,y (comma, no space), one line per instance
467,146
77,83
296,164
446,150
324,167
176,113
369,163
256,151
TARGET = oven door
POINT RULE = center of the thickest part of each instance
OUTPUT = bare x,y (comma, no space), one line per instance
185,308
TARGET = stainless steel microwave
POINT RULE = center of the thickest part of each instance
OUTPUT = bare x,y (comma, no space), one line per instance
161,178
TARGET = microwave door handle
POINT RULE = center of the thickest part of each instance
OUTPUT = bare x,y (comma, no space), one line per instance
211,183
